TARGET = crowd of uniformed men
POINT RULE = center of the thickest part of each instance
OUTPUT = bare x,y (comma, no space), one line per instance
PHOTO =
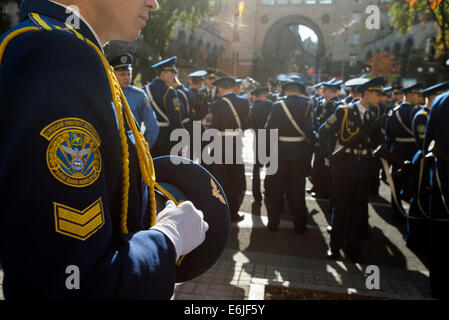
343,136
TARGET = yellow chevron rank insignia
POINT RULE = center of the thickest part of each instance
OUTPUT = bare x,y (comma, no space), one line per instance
73,154
79,224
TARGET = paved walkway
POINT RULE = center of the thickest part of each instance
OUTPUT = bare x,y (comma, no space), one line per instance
243,276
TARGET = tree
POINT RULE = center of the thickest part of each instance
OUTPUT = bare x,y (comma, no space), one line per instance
405,14
383,64
162,22
155,38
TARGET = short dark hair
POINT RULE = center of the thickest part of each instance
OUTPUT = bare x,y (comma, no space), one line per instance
196,80
296,89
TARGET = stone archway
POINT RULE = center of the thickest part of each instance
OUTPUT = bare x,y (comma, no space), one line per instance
274,57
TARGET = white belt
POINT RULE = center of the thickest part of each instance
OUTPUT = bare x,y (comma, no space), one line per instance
357,152
163,124
292,139
230,133
405,139
186,120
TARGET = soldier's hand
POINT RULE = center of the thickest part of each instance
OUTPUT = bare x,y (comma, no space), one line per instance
184,225
327,163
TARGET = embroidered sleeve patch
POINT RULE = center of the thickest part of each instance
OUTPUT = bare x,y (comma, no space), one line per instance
176,103
73,155
421,129
79,224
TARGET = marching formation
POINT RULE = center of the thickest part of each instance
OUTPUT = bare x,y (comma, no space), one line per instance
345,137
82,191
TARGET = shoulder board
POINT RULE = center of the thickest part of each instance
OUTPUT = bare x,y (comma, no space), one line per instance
52,24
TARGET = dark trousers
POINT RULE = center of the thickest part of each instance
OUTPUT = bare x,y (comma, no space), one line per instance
321,177
350,209
291,174
416,236
232,179
256,182
438,248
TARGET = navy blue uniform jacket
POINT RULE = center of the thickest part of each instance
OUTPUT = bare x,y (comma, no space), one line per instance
299,108
60,173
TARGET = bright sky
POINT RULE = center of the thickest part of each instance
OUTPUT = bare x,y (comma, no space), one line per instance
306,32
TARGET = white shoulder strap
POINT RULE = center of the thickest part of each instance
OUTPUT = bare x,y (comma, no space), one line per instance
236,116
398,116
290,117
148,91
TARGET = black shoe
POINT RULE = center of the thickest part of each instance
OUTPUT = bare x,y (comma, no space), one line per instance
333,255
272,228
311,190
237,218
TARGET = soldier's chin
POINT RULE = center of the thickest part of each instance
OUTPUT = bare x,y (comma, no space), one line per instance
130,36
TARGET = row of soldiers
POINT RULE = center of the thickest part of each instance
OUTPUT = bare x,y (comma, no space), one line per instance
324,135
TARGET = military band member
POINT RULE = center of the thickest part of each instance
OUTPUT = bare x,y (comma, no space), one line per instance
80,191
230,112
291,117
137,98
438,131
351,170
166,103
210,91
199,106
400,138
321,175
397,96
259,112
421,117
186,99
416,237
353,85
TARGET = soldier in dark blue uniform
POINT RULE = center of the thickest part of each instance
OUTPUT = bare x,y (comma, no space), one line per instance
186,99
438,131
400,139
166,103
321,175
81,189
291,117
210,91
230,112
351,170
397,96
137,98
199,107
416,237
353,85
259,112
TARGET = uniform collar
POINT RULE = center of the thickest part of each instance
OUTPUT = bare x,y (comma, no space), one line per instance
57,11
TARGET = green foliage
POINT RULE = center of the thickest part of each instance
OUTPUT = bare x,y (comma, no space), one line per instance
156,36
159,29
403,18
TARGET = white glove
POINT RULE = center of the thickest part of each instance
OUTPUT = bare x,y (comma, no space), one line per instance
184,225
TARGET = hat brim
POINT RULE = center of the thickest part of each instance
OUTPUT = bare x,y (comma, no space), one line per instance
177,179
